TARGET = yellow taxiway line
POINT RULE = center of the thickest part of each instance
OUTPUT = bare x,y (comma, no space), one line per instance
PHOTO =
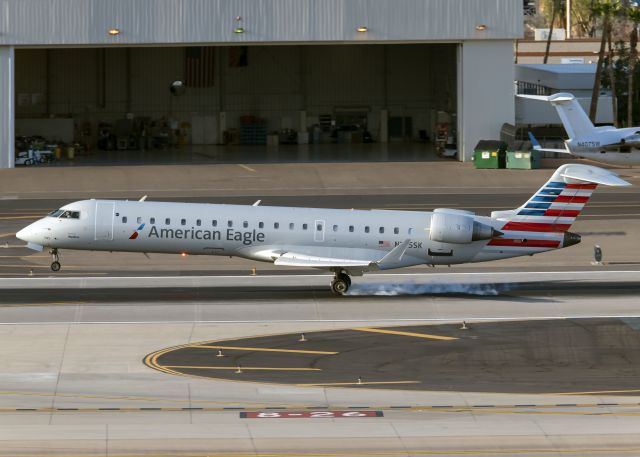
246,168
238,348
397,332
67,267
444,452
597,392
51,274
196,367
24,256
31,216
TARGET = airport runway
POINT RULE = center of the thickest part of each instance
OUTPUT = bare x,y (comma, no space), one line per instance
548,366
74,379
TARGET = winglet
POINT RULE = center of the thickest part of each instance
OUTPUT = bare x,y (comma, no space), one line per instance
257,203
394,255
143,198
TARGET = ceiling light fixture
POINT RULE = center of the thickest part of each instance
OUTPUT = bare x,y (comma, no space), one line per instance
238,30
362,29
114,32
481,27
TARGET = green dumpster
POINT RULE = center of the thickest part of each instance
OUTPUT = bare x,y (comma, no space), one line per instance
523,160
490,154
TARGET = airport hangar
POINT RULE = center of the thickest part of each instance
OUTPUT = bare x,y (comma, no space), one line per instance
98,72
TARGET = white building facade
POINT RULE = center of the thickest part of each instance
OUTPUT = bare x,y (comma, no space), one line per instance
403,66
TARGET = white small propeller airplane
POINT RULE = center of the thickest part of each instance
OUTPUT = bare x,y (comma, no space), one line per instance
346,242
605,144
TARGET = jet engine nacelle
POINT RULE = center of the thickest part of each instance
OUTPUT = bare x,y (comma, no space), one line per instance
458,227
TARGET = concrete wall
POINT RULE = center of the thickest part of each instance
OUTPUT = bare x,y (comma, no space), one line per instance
163,22
487,90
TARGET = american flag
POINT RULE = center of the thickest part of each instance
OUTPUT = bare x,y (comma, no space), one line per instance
384,244
199,69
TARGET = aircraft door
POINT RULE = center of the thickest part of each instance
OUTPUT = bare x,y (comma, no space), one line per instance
104,220
318,233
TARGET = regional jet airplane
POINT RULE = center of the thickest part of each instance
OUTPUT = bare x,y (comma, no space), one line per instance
346,242
602,144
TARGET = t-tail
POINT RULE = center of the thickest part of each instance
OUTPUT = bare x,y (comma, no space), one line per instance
543,222
575,120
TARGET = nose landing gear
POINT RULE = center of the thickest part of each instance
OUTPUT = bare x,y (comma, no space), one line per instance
341,283
55,265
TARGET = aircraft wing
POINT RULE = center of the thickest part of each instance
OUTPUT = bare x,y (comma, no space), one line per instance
632,141
536,145
293,259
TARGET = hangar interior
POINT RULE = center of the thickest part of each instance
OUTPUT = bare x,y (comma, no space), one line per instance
117,102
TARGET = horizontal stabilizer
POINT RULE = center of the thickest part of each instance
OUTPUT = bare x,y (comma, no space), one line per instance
594,175
555,99
575,120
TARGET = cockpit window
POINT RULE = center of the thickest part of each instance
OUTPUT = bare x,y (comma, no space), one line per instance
55,213
70,215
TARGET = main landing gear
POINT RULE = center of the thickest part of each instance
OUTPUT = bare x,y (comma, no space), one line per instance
55,265
341,283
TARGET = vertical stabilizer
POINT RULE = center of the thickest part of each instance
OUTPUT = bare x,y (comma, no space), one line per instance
555,206
575,120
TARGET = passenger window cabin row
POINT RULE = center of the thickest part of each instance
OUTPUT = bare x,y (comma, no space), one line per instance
276,225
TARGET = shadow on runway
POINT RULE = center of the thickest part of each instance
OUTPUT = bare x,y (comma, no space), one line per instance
523,291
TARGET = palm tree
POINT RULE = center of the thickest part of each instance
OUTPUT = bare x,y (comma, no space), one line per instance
555,6
634,15
611,71
605,9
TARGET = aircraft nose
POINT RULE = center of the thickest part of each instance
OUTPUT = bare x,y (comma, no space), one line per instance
29,234
23,234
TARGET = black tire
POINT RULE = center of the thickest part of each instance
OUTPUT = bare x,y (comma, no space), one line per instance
55,266
339,286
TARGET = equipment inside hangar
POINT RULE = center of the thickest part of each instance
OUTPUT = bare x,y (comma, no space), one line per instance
168,103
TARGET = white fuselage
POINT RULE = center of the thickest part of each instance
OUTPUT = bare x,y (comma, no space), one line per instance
263,232
594,146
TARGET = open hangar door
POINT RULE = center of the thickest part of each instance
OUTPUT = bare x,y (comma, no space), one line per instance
330,102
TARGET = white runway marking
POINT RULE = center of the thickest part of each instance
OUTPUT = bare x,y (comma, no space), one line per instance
398,321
